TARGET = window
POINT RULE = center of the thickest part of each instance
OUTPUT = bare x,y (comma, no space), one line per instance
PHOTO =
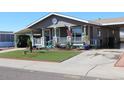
6,37
77,33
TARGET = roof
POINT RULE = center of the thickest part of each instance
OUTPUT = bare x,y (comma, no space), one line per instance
111,21
100,22
28,30
69,17
6,32
104,22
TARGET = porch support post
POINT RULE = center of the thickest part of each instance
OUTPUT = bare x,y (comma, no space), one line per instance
43,38
15,40
55,37
84,33
84,29
89,34
69,37
32,38
89,31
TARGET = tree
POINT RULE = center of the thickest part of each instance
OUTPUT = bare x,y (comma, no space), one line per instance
29,45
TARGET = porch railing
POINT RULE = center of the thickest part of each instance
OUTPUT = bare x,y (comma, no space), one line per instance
62,40
37,41
77,40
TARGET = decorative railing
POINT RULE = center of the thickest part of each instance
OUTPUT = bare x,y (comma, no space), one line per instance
62,40
37,41
76,40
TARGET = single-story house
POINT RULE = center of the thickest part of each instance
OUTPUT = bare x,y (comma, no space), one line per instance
6,39
58,28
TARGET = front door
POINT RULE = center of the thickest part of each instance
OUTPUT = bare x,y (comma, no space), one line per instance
48,36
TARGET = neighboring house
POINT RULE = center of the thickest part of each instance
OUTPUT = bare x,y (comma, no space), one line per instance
103,33
122,35
6,39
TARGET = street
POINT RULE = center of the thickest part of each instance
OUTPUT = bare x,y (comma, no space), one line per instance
7,73
21,74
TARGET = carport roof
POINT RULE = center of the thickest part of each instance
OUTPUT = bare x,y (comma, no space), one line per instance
6,32
27,31
111,21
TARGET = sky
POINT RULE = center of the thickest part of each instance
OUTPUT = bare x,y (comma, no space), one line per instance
15,21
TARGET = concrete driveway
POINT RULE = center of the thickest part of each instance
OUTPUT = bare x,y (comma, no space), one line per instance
93,63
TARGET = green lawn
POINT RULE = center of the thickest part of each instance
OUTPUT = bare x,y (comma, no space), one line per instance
57,56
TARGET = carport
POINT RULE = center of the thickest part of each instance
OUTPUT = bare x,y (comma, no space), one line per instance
115,31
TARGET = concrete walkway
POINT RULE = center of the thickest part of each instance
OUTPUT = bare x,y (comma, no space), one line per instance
13,49
93,63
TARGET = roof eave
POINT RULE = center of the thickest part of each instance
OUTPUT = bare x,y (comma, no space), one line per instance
114,23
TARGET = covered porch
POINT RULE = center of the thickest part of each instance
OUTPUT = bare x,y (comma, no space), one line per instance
50,36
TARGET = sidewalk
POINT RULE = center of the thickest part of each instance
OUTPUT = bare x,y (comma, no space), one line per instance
13,49
93,63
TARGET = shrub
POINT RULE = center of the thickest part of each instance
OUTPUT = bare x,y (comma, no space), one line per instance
69,45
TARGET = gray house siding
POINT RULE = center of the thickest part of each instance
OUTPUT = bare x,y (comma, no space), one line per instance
65,21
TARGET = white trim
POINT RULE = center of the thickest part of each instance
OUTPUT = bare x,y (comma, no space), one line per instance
73,18
114,23
7,33
81,44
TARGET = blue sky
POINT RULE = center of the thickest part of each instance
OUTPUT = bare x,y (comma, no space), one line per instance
15,21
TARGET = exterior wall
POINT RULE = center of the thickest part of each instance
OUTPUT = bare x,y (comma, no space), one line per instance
6,39
6,44
93,35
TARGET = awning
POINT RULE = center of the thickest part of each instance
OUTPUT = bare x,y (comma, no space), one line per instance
61,24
